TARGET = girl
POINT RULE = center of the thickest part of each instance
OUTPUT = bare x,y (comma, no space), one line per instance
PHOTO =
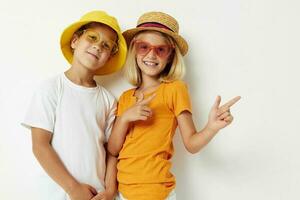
149,114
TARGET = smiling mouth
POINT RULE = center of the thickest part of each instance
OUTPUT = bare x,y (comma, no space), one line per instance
95,56
150,63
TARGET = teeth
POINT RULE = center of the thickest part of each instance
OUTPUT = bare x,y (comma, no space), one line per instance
150,63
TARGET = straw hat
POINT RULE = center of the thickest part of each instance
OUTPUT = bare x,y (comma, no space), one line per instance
161,22
116,61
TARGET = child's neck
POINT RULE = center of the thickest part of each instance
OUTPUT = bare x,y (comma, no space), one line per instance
80,77
149,82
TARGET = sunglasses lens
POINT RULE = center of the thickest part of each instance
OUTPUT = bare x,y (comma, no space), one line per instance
92,36
142,48
162,51
106,44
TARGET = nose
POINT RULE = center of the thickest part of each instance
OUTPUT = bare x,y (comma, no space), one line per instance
151,53
96,47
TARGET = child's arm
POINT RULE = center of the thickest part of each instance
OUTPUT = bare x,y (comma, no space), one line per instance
111,174
117,137
219,117
139,111
54,167
111,186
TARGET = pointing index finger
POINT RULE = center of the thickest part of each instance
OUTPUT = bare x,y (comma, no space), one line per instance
232,102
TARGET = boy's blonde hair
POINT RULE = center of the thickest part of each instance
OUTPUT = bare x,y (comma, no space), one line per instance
174,70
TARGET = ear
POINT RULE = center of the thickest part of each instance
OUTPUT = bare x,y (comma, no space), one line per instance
74,41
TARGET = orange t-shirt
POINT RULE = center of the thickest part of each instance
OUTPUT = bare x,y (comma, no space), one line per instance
144,161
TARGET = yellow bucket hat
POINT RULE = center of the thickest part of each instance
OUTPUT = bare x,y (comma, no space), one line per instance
117,61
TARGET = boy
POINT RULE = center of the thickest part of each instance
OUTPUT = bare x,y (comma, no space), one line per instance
71,116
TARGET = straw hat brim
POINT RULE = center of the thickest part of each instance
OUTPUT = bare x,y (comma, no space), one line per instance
114,64
181,42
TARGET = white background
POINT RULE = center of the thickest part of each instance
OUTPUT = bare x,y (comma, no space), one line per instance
247,47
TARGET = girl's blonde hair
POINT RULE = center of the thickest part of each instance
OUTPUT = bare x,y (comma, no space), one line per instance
174,70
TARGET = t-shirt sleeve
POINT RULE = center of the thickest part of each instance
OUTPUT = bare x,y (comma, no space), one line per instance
121,105
179,98
41,111
110,119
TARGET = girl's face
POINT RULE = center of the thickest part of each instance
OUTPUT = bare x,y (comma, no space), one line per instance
153,53
94,47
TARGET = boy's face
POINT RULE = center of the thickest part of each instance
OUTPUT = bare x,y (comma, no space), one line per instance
94,47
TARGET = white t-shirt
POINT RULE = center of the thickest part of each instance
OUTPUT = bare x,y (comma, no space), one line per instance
80,119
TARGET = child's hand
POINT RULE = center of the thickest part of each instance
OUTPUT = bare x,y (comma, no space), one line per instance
220,117
139,111
105,195
82,192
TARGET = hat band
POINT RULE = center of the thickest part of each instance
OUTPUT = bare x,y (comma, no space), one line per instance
154,24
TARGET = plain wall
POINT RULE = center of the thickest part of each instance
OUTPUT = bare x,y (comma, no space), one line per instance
247,47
